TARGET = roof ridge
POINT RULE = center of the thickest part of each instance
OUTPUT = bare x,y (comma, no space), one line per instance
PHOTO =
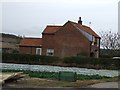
31,38
85,26
54,26
72,22
78,24
51,29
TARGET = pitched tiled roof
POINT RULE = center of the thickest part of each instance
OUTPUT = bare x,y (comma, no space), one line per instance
51,29
31,42
89,30
85,28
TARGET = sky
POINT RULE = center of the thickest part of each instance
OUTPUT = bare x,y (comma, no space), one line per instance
30,17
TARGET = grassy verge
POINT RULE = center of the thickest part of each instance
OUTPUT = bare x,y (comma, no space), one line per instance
55,75
48,79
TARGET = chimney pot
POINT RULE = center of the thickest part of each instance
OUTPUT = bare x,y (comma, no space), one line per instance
80,21
79,18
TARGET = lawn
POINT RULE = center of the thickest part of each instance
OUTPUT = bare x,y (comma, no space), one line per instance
33,82
43,79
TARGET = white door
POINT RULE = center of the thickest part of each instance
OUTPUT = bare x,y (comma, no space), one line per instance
38,51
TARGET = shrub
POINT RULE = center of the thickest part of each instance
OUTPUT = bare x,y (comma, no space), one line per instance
98,63
47,59
107,53
27,58
89,77
76,61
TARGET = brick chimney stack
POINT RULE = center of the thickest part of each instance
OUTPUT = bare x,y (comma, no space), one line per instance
80,21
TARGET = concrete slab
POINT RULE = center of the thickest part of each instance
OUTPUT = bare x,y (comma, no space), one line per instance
105,85
6,76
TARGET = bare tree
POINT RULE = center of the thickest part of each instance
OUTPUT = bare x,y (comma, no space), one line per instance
110,40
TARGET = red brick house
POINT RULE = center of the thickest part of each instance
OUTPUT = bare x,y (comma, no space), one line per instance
31,46
71,39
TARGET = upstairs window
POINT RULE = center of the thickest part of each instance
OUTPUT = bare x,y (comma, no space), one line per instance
93,40
50,52
0,50
98,41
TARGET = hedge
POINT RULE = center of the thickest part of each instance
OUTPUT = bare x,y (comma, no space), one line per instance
28,59
75,61
104,53
98,63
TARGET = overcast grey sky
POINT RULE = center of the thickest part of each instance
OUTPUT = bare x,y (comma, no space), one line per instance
30,17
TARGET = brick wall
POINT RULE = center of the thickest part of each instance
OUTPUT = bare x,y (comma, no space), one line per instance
27,50
66,42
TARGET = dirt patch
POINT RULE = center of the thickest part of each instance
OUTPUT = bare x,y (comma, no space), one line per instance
28,82
105,85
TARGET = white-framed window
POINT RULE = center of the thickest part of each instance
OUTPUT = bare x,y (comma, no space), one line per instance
98,41
93,40
38,51
50,52
0,50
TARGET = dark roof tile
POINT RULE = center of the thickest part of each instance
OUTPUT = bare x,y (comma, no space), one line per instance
86,29
31,42
51,29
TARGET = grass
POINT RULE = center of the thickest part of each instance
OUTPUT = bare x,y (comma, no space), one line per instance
38,82
35,80
55,75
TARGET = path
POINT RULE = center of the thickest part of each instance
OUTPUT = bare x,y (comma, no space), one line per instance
105,85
